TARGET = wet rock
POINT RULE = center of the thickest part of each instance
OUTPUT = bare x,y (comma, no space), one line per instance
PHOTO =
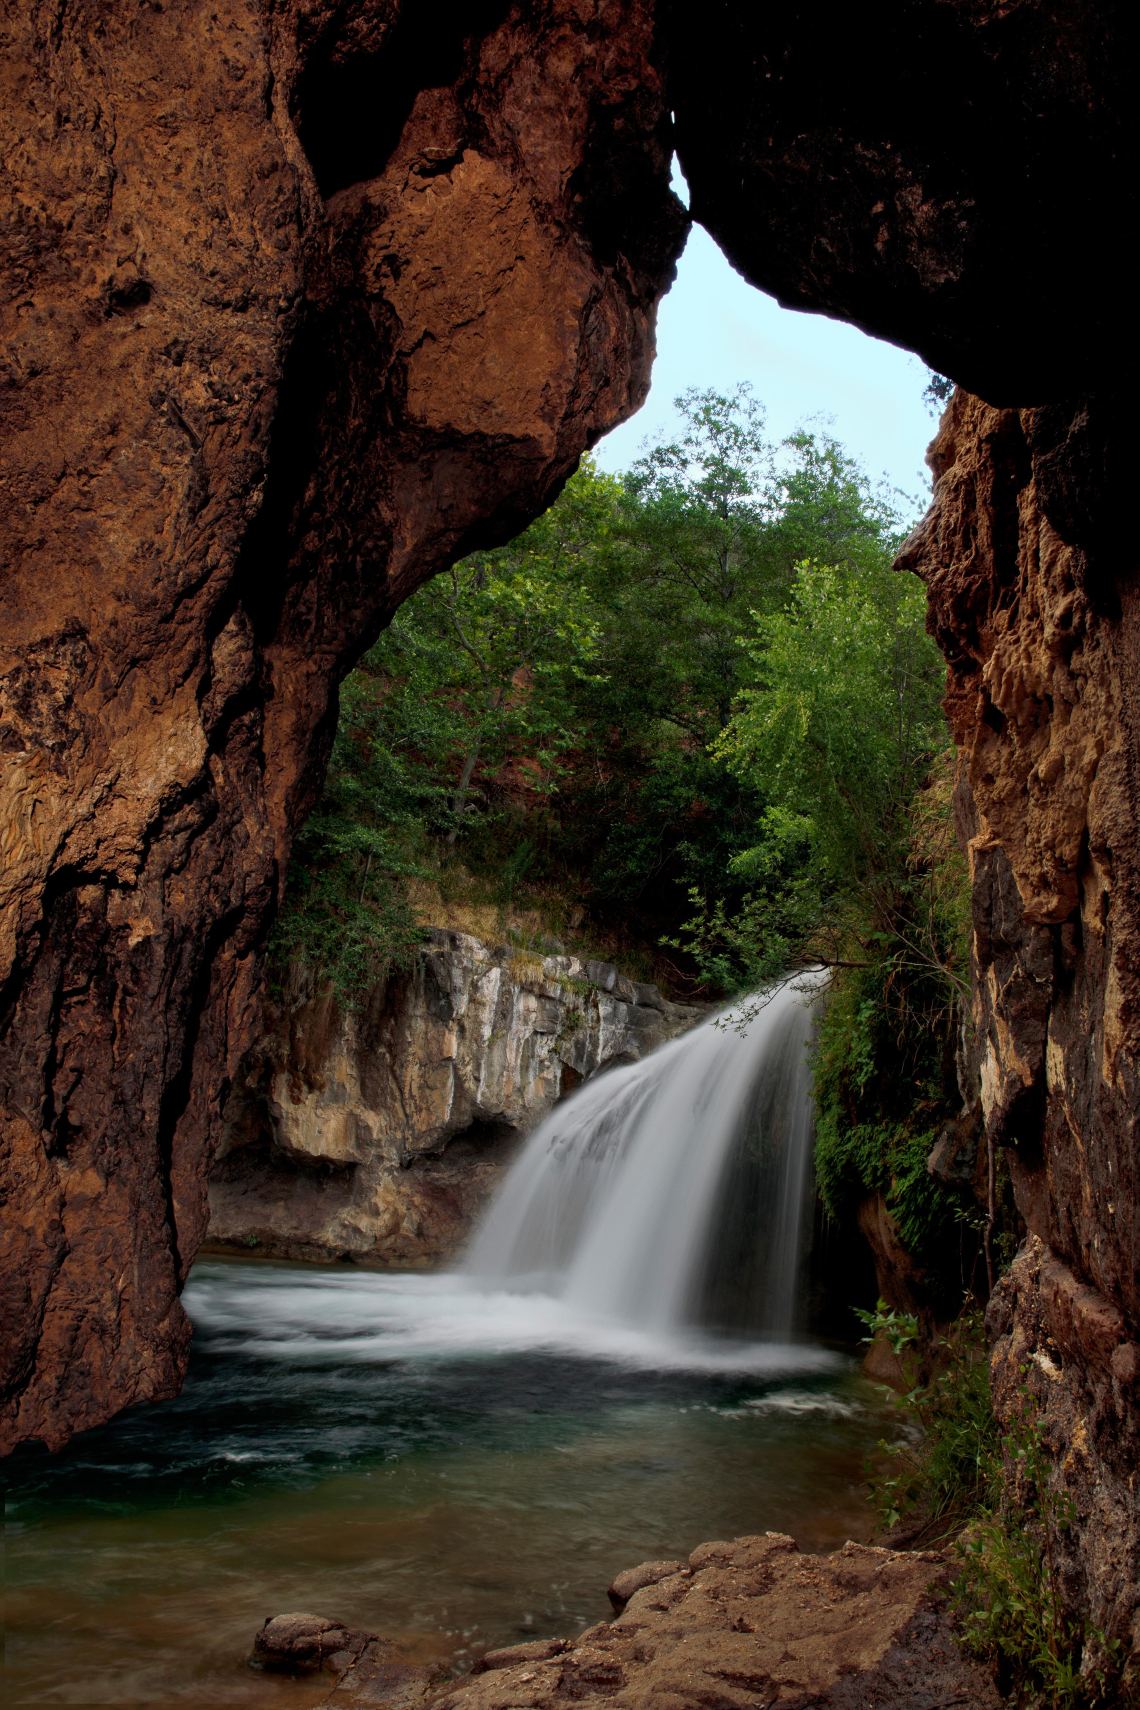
378,1676
300,1644
368,1669
753,1623
634,1579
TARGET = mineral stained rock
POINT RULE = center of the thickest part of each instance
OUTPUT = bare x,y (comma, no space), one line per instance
1033,599
379,1135
753,1623
299,303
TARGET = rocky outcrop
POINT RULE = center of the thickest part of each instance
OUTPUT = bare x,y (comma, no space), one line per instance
298,303
887,168
1034,601
752,1623
378,1135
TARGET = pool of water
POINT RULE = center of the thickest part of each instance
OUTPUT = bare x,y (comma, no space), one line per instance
452,1469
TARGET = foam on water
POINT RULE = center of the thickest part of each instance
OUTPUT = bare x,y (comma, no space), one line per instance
369,1318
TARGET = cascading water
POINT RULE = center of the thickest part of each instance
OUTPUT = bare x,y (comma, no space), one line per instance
672,1192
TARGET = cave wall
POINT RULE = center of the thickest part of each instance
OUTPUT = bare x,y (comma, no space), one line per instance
265,369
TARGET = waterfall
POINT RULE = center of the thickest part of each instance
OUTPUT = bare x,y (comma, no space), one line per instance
672,1192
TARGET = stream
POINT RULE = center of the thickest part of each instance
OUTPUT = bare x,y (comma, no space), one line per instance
455,1468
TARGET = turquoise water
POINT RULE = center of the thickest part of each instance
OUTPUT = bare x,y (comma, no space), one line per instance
451,1469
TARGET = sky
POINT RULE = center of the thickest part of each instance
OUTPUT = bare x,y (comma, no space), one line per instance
714,329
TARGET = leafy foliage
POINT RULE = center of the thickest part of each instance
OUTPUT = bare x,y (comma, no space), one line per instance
550,705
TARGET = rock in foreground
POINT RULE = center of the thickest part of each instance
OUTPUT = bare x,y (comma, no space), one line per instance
367,1668
754,1623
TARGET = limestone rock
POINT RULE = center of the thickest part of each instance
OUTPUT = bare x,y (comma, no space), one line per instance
755,1623
380,1135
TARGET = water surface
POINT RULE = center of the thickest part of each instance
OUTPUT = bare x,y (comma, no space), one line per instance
454,1469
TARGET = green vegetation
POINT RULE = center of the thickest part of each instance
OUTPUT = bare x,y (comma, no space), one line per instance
535,732
689,718
957,1473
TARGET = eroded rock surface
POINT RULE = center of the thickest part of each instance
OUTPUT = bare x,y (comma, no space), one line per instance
379,1135
753,1623
1034,601
298,303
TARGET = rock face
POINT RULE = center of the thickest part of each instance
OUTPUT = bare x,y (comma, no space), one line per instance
299,302
379,1135
887,167
747,1624
1034,602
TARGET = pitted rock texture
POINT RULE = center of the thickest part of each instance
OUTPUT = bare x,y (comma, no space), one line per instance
299,303
1034,601
379,1135
749,1625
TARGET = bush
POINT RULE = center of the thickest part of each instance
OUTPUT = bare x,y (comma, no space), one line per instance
956,1471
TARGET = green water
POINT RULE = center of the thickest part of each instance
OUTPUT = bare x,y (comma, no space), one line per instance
453,1471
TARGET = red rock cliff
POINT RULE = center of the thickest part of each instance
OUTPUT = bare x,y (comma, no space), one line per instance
299,303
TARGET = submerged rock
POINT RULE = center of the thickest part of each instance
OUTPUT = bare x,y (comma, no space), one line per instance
380,1135
754,1623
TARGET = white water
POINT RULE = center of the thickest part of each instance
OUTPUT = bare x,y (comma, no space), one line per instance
627,1206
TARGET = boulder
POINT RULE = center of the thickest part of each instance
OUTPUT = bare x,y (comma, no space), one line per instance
753,1623
301,1644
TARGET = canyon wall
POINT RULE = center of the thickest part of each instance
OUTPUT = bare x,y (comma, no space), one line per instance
1034,601
378,1134
299,302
